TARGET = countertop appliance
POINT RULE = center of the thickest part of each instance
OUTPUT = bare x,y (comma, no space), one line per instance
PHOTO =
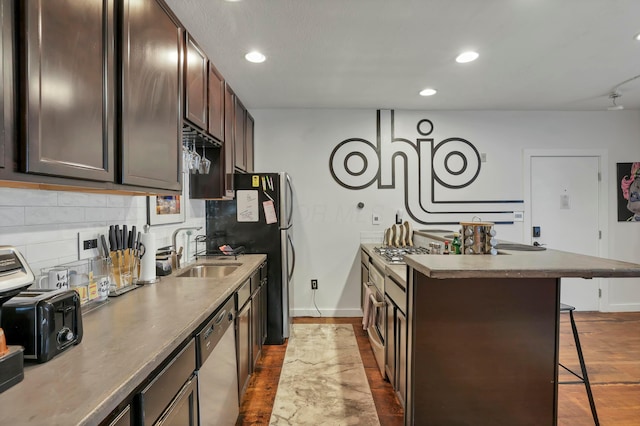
260,219
45,321
15,276
217,369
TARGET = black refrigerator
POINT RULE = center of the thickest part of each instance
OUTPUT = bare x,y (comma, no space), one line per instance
260,219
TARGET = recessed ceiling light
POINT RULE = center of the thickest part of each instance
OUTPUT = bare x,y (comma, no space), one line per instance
465,57
255,57
637,37
428,92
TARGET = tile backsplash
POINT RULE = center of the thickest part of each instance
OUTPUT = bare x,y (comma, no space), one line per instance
44,225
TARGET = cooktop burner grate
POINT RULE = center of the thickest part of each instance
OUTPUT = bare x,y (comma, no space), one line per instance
395,255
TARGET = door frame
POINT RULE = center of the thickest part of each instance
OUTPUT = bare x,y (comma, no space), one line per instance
603,202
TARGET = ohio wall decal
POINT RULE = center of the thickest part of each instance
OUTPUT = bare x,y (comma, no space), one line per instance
453,163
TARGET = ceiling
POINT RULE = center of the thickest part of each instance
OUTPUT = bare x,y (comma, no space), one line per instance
557,55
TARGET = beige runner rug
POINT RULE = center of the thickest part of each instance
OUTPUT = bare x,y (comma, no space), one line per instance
323,380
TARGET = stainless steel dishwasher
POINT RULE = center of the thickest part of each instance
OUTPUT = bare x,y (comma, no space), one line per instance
217,369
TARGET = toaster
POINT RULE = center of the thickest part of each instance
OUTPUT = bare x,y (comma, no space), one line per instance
44,321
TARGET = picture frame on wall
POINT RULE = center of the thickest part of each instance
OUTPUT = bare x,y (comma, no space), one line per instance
628,188
165,209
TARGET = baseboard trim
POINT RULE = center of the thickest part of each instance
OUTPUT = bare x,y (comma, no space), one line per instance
330,313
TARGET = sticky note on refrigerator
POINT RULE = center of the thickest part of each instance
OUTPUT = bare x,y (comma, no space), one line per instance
269,212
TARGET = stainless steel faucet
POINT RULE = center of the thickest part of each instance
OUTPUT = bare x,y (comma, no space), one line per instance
178,253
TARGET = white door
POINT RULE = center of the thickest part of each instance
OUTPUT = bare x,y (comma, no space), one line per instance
564,204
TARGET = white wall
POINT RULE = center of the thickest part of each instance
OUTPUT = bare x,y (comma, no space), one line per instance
44,225
329,226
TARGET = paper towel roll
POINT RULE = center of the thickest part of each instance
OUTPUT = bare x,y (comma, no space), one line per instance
148,260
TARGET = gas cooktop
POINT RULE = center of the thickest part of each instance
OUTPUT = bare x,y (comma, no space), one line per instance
395,255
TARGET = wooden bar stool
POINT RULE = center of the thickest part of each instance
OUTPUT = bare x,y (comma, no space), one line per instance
584,378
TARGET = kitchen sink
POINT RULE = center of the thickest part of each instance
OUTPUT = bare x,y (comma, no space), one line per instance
209,270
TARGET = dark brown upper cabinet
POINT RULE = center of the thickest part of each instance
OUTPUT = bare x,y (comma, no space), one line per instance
67,85
151,90
229,137
239,139
5,78
248,142
216,103
196,90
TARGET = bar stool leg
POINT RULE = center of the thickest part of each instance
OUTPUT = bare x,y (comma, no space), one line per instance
585,377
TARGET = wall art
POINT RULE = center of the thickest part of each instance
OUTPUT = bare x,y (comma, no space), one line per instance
628,191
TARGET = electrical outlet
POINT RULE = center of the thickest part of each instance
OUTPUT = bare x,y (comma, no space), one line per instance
314,284
375,219
88,243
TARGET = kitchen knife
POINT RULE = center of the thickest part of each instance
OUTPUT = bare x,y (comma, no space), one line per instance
132,240
125,238
125,249
112,238
118,238
105,248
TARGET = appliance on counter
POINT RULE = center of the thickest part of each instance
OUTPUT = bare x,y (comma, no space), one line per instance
260,219
45,321
15,276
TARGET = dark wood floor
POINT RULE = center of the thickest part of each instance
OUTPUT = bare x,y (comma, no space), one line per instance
611,346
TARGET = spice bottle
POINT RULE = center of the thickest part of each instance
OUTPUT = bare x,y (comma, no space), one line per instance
446,247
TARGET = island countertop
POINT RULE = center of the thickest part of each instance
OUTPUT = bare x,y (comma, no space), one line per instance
123,343
528,264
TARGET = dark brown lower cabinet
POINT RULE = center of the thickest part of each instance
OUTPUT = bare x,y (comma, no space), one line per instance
396,344
184,409
123,418
243,345
171,396
482,351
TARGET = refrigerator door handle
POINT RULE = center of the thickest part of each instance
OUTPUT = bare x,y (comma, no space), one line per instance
290,198
293,257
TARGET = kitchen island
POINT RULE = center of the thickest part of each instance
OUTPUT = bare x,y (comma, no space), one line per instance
124,343
483,334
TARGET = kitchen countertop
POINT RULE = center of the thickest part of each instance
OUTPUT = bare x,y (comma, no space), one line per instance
508,263
123,343
524,264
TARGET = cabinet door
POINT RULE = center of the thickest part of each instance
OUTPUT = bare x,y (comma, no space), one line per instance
263,312
183,411
401,357
391,342
229,140
216,103
68,88
123,418
243,344
151,96
239,126
196,90
5,77
248,142
256,332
